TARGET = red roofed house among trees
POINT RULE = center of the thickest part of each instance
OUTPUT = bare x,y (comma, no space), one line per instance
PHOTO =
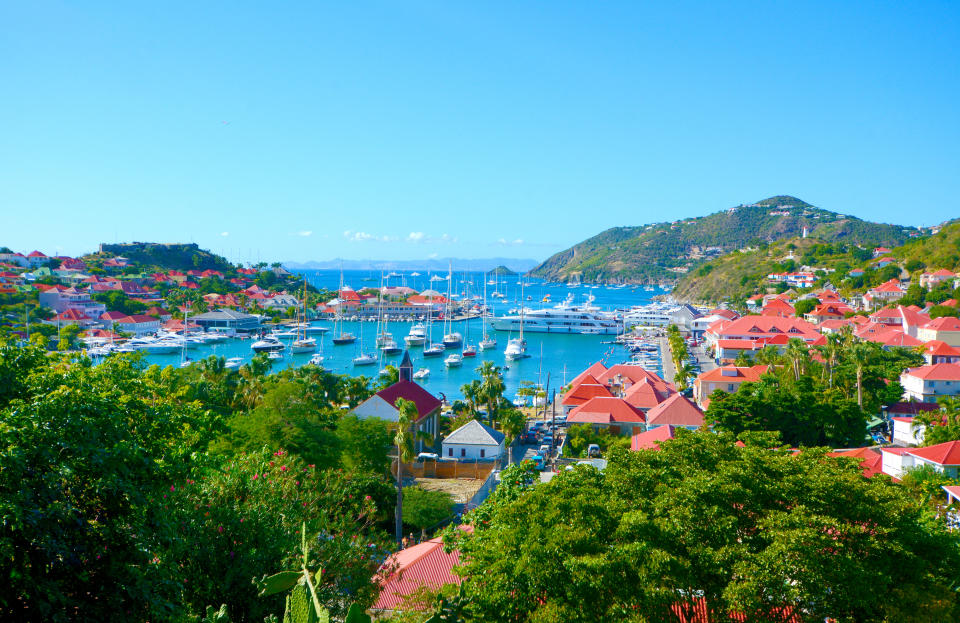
613,414
383,404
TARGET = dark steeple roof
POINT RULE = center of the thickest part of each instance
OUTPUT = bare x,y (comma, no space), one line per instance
406,367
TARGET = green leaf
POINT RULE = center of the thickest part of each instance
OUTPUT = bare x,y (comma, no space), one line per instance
277,583
356,615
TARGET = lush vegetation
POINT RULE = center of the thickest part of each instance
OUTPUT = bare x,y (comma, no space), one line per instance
656,252
183,256
150,492
812,397
750,529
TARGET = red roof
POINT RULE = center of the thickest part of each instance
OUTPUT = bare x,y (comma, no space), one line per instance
936,372
72,315
729,314
944,323
939,348
112,315
778,307
734,374
423,565
890,286
675,410
871,461
631,375
585,391
137,319
408,390
911,408
602,410
942,454
896,338
37,254
645,395
650,440
595,371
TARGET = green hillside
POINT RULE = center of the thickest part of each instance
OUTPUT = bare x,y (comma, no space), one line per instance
740,274
666,251
183,256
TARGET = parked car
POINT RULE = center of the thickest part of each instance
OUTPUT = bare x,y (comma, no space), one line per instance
529,438
539,461
547,440
593,450
544,449
428,456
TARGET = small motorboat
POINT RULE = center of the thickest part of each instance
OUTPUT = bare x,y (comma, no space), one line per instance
316,360
364,360
422,373
454,360
233,363
275,355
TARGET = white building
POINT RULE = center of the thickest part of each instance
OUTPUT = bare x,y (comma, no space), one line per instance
138,324
943,457
927,383
904,433
472,442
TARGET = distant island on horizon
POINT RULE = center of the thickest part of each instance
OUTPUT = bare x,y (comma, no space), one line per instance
518,265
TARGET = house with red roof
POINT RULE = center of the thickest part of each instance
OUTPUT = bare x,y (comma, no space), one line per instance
36,258
927,383
895,338
588,388
650,439
138,324
932,280
878,251
944,329
409,571
595,371
888,315
614,414
778,307
69,263
871,461
383,404
936,351
72,316
724,378
884,294
943,458
833,310
675,411
647,394
17,259
752,333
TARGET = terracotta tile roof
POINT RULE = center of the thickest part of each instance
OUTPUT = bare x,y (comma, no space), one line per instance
676,410
942,454
650,440
871,461
72,315
731,374
645,395
426,402
137,319
936,372
940,348
422,565
944,323
584,392
897,338
891,286
605,411
112,315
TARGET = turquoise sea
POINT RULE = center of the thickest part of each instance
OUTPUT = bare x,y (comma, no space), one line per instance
560,356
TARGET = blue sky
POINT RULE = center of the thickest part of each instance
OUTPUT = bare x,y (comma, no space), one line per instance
298,131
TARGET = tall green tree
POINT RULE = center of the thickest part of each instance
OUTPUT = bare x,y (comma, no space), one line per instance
403,440
694,527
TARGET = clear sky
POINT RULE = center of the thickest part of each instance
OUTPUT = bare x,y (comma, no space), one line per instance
405,129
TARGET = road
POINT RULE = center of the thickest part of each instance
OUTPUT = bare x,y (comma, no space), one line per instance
666,360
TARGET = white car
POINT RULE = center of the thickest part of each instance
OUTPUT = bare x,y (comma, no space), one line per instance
428,456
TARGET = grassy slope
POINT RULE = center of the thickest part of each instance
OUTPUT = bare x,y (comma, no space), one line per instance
647,253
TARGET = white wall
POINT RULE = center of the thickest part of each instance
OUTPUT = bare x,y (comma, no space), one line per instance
903,433
471,452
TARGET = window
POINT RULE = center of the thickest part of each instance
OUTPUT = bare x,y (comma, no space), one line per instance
730,388
483,453
463,452
449,451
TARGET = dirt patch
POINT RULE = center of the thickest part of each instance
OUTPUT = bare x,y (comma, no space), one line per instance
459,489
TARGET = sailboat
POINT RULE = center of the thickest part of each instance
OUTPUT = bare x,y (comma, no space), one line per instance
488,342
385,341
469,350
430,349
184,360
417,335
341,337
303,343
451,338
364,359
517,347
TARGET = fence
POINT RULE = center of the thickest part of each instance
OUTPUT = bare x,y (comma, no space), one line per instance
486,489
447,469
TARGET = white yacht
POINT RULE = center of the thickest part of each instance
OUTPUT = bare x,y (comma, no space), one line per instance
417,335
316,360
422,373
454,360
303,345
516,349
233,363
267,344
364,360
275,355
650,315
560,319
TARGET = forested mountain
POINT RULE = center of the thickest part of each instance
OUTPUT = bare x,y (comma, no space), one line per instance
666,251
739,274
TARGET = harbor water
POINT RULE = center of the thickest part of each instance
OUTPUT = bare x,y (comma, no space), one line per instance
559,356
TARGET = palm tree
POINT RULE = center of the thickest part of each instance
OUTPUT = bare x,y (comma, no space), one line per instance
797,352
682,375
473,393
511,424
861,355
492,387
831,353
403,440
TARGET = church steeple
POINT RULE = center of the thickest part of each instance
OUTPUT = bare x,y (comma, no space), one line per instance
406,368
